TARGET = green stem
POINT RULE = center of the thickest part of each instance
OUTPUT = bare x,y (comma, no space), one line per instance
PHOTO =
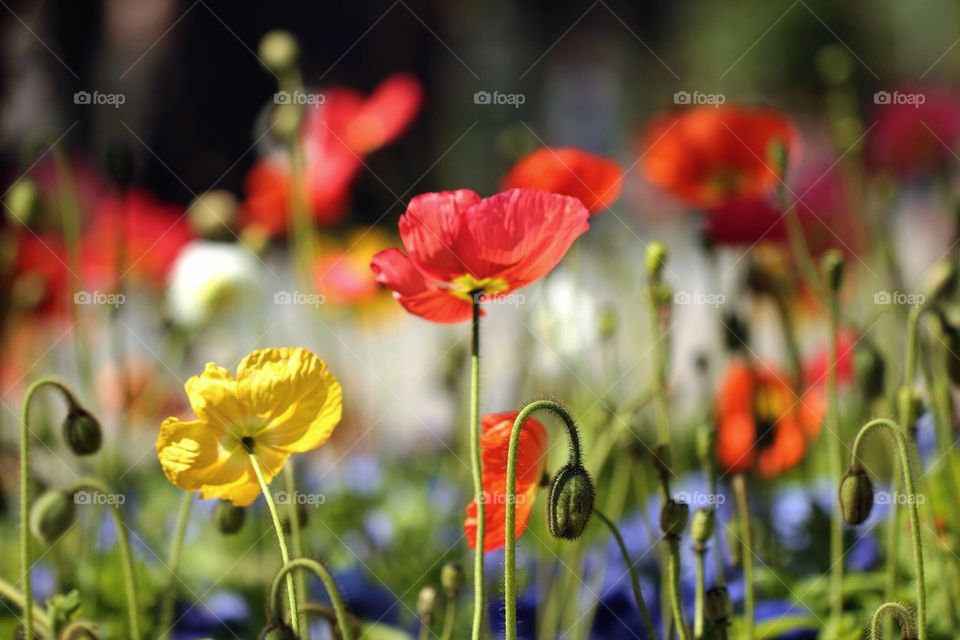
700,552
296,537
634,578
169,596
900,614
10,593
25,546
659,366
449,617
743,513
476,460
914,512
343,619
510,559
80,630
284,555
801,250
676,602
126,553
835,465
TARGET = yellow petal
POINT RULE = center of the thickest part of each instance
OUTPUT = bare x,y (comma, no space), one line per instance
184,447
245,488
291,390
213,397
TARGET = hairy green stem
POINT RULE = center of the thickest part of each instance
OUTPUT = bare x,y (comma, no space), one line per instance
296,538
743,513
449,617
10,593
835,463
700,551
281,540
634,578
169,596
913,510
899,612
343,619
510,540
676,601
476,460
80,630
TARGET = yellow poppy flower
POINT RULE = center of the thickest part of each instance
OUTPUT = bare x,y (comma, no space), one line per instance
283,401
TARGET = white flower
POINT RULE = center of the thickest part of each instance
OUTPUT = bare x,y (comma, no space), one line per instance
211,278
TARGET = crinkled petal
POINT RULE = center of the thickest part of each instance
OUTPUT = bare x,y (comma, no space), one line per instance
594,180
415,292
213,397
431,230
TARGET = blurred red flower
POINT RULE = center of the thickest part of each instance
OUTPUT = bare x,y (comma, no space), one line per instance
457,243
336,135
341,271
708,155
40,279
531,463
594,180
916,131
761,425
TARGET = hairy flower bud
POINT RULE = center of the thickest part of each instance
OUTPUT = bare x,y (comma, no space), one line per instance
279,50
427,603
655,260
673,517
213,214
23,201
701,528
717,606
277,631
82,432
856,496
569,502
229,518
451,577
52,515
870,369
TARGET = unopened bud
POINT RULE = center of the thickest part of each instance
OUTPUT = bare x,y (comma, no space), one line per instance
229,518
870,369
52,515
701,528
569,502
673,518
23,201
279,50
607,323
82,432
655,260
277,631
856,496
717,606
832,266
213,214
427,603
451,577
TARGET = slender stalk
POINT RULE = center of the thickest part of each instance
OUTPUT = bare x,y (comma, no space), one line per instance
899,612
700,552
476,460
800,248
296,537
424,631
659,366
284,554
343,619
9,592
634,579
743,513
913,510
80,630
676,601
835,466
510,558
123,542
169,596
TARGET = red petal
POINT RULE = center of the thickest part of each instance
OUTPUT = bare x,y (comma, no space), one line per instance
431,228
415,292
594,180
385,114
267,186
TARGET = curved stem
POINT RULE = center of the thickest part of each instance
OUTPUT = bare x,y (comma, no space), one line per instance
900,614
10,593
284,555
169,596
510,558
126,554
449,617
79,630
343,620
25,546
634,579
743,513
676,601
476,460
835,463
296,539
913,510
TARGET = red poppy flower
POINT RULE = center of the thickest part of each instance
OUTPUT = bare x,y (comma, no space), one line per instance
531,463
457,243
594,180
137,235
342,273
916,130
336,135
760,423
708,155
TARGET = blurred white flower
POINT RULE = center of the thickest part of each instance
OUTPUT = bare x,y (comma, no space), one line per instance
212,278
565,318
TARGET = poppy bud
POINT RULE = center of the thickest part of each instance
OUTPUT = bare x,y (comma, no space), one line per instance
717,606
279,50
82,432
427,603
832,266
23,201
673,518
607,323
569,502
941,282
655,260
277,631
213,214
52,515
706,445
229,518
701,528
451,577
856,496
777,152
870,369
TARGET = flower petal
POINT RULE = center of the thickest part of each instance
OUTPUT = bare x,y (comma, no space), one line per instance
415,292
594,180
213,397
298,401
430,230
195,454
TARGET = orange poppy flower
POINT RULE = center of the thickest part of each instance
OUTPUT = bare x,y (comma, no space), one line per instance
708,155
760,423
531,463
594,180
